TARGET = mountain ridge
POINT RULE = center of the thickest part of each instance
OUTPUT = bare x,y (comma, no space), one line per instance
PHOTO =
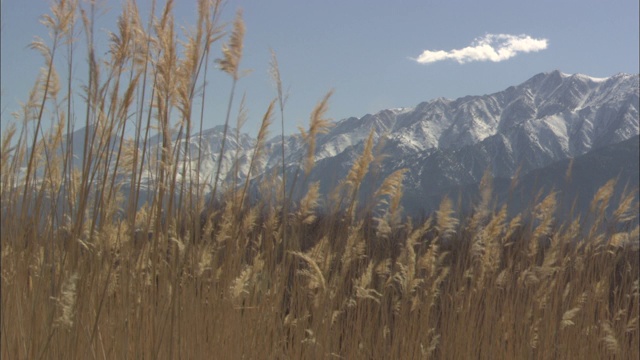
550,117
444,143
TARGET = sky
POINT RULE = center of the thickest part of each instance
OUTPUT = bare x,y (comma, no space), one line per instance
375,54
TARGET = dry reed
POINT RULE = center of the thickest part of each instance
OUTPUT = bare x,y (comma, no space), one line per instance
87,273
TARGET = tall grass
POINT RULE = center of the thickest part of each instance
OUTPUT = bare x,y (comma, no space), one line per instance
88,272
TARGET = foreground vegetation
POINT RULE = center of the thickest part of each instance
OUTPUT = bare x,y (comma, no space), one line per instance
88,273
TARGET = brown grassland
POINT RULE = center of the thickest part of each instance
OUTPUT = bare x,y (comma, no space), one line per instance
88,273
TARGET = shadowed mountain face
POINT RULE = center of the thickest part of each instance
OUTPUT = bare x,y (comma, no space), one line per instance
588,173
575,187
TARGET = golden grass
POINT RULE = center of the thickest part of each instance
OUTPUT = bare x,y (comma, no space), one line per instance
88,273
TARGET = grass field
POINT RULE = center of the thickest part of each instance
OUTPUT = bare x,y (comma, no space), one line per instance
88,273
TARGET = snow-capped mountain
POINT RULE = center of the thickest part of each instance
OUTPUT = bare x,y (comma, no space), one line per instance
206,147
447,143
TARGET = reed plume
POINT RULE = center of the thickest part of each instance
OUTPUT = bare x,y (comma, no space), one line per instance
318,124
232,54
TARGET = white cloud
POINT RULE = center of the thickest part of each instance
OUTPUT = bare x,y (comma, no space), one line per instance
491,47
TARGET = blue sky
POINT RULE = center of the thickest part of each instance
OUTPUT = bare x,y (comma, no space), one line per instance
366,50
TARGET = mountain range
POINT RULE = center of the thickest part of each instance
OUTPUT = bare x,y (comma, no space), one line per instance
448,144
527,130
